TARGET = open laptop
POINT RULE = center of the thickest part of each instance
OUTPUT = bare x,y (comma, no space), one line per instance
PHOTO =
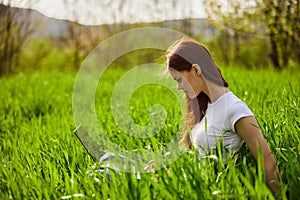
94,149
90,146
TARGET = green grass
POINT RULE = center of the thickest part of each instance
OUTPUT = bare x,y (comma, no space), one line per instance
42,159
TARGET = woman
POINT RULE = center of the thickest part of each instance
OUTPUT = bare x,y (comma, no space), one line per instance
213,112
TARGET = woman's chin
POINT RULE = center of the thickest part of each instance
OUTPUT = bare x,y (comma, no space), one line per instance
191,96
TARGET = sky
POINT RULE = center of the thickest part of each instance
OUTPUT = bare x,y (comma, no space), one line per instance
95,12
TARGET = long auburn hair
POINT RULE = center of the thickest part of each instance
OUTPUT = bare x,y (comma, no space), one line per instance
180,57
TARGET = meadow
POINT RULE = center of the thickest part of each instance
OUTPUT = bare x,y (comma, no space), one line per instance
42,159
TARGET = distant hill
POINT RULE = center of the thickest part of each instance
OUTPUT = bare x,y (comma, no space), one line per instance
50,27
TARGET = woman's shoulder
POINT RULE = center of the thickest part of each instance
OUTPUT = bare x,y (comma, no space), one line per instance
236,110
235,103
233,97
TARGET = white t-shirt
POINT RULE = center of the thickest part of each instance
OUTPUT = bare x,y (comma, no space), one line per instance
218,125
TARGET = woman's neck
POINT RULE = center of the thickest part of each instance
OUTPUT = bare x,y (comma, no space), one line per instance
215,91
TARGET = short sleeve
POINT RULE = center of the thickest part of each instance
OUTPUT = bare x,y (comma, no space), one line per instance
237,111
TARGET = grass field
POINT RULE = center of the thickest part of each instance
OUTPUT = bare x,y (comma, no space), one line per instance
42,159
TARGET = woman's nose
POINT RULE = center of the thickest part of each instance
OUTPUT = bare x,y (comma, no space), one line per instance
179,87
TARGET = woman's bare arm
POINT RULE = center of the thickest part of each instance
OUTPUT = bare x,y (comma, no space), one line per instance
247,129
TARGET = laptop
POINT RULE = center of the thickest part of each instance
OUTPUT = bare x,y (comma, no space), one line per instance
90,146
94,149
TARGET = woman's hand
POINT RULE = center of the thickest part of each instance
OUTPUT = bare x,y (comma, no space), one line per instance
150,166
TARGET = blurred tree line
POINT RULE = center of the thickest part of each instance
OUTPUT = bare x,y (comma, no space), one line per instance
15,28
277,20
250,33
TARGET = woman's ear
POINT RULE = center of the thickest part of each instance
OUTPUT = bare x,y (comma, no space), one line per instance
197,69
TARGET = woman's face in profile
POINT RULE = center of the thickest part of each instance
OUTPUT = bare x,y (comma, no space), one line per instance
187,81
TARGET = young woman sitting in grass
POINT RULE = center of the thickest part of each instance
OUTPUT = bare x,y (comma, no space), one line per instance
213,113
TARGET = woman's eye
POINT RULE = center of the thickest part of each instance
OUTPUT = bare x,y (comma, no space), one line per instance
178,79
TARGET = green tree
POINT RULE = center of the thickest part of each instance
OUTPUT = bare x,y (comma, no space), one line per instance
80,39
232,19
16,26
282,18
